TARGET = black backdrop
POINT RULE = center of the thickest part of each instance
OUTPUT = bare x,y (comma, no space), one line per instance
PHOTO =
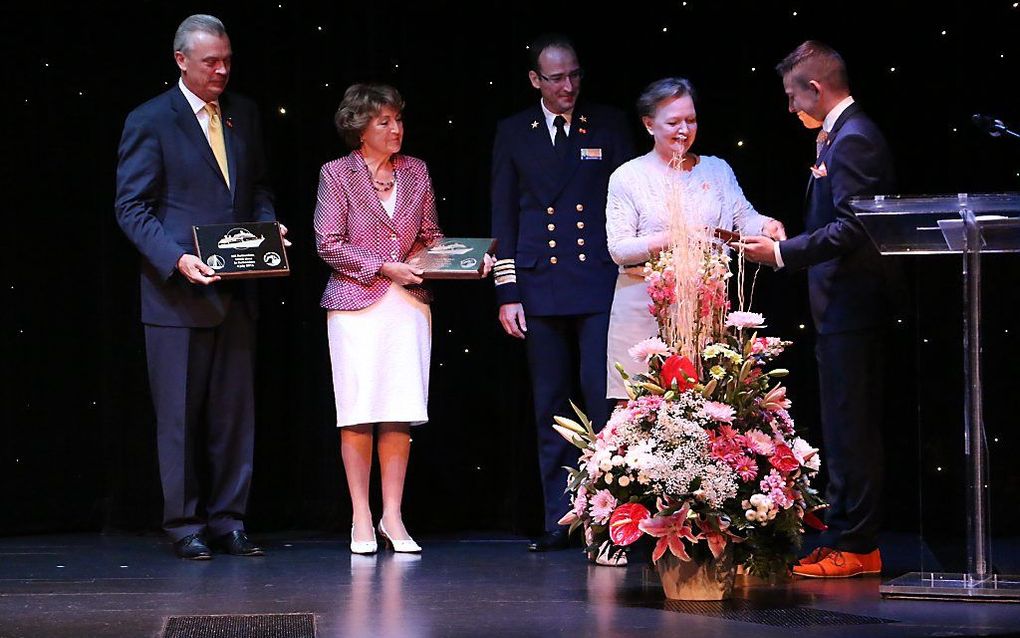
77,450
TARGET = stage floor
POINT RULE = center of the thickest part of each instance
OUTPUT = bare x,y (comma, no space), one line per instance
93,586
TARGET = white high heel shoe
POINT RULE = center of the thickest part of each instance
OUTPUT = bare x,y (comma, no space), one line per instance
363,547
407,546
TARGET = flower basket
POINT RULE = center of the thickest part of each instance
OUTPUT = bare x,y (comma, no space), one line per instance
707,578
704,459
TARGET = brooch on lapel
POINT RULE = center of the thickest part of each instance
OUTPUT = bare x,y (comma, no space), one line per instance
584,120
819,171
534,124
230,122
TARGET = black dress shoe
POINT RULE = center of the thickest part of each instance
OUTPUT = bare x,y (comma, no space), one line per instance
237,543
192,548
550,542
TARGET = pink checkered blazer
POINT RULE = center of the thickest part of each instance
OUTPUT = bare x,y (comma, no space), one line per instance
355,236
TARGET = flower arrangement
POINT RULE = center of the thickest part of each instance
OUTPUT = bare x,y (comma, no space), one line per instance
704,456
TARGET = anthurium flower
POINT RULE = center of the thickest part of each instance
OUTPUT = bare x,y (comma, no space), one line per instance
681,370
783,459
624,523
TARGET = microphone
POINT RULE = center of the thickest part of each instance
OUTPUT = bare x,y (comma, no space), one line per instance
988,124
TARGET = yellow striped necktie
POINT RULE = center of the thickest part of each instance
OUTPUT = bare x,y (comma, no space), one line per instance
219,149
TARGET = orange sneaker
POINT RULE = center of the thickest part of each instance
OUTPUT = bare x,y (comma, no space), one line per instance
816,555
839,564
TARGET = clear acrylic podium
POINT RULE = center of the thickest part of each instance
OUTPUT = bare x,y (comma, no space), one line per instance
969,225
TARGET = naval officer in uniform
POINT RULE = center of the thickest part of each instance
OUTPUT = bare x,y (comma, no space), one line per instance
554,276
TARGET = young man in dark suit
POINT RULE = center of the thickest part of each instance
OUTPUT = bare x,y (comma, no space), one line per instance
554,277
848,285
192,156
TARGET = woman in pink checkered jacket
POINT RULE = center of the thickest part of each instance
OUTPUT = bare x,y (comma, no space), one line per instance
375,206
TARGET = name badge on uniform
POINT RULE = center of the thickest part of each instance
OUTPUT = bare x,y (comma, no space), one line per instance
591,153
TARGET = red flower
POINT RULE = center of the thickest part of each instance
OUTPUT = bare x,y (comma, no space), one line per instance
679,369
752,376
812,520
783,459
623,523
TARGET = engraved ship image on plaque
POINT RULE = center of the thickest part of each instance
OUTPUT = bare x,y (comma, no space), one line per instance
453,257
238,238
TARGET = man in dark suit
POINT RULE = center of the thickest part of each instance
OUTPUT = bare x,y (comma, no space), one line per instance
849,288
554,277
192,156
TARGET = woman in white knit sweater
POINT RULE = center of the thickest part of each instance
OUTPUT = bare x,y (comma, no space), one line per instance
637,217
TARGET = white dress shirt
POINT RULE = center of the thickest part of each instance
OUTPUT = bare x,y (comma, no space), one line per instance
198,106
550,117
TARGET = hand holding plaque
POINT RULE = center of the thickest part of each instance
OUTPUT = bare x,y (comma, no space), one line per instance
242,249
453,258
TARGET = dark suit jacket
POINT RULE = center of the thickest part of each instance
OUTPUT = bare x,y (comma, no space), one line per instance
848,281
167,181
549,215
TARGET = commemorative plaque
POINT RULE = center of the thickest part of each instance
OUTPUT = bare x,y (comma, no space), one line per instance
453,257
242,249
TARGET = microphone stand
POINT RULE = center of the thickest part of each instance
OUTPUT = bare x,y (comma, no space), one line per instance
993,127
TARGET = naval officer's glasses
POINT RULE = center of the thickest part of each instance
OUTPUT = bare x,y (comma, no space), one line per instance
559,78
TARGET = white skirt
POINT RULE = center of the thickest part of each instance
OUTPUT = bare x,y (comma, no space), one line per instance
380,359
629,323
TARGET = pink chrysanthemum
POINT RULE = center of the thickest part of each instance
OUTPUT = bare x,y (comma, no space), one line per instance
602,506
741,319
719,411
581,501
645,350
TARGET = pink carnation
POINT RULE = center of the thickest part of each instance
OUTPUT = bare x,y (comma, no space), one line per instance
718,412
759,442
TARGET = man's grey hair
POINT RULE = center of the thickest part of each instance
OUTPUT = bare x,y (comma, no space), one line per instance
195,24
